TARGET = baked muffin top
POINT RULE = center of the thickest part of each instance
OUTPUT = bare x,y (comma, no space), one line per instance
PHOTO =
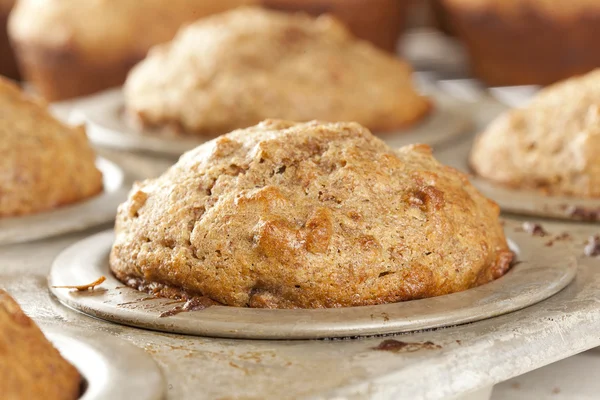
43,163
104,30
30,367
235,69
552,144
308,215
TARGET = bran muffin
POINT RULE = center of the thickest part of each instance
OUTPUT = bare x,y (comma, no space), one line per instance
527,41
70,48
235,69
307,215
43,163
553,144
378,21
30,367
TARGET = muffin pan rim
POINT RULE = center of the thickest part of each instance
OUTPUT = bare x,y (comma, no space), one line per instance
530,282
523,202
113,368
79,216
105,129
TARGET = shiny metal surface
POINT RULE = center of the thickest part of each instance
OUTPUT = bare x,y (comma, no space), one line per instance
95,211
112,368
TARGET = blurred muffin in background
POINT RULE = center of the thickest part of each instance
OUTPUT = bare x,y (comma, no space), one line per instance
237,68
524,42
378,21
69,48
8,65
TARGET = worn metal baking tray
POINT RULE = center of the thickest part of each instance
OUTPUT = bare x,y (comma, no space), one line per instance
538,273
111,368
95,211
107,126
519,201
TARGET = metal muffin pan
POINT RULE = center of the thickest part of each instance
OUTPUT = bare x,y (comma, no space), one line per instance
520,201
540,273
112,368
106,126
91,212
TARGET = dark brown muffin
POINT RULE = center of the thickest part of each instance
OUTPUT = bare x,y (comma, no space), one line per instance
528,41
70,48
308,215
8,65
30,367
378,21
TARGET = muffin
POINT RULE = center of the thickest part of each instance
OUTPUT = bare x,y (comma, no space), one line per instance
43,163
528,41
70,48
378,21
307,215
552,145
235,69
30,367
8,65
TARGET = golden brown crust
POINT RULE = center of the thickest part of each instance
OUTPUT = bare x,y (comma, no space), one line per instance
308,215
378,21
70,48
44,163
553,144
528,42
30,367
235,69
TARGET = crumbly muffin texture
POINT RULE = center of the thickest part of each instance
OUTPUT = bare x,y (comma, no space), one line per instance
553,144
308,215
43,163
235,69
30,367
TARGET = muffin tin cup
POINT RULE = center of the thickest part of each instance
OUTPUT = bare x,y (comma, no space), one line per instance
107,126
520,201
541,272
111,368
91,212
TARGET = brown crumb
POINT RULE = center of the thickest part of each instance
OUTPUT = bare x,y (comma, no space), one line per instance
557,238
516,386
556,390
396,346
534,229
592,247
82,288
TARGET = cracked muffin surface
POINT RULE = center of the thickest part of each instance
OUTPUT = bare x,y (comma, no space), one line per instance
235,69
552,144
44,163
307,215
30,367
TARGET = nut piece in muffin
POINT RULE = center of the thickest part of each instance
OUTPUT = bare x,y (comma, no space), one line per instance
525,42
8,65
378,21
308,215
43,163
70,48
552,144
30,367
235,69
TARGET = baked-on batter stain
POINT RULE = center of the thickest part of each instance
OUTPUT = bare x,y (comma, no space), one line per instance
585,214
193,304
396,346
